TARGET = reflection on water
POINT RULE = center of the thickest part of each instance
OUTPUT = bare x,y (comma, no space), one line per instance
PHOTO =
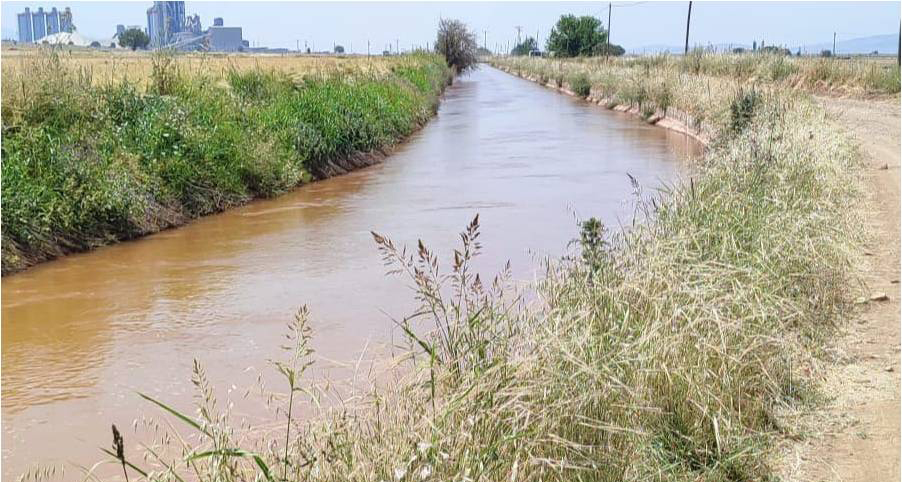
82,333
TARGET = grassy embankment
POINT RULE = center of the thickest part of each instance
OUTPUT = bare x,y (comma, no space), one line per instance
99,149
674,350
860,76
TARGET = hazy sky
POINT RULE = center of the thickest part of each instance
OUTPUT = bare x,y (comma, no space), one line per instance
635,23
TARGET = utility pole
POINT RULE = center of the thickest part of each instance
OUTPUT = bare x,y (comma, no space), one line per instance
397,46
834,44
297,45
899,48
367,48
485,36
609,27
688,17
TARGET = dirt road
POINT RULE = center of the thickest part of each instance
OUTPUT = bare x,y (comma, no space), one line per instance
861,440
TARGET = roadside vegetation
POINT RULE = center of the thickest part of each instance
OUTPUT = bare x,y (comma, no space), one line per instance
855,77
90,159
671,350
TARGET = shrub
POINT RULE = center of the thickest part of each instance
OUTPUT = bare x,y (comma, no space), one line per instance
742,109
457,44
580,85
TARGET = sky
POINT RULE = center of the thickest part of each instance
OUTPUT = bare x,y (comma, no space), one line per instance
635,24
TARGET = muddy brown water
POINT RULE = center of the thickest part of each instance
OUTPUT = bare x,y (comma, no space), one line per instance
81,335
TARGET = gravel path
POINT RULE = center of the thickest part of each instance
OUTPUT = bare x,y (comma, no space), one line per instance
861,438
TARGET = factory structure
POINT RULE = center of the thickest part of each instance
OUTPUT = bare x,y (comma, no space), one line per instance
168,27
34,26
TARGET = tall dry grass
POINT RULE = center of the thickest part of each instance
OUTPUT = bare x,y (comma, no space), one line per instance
136,67
857,76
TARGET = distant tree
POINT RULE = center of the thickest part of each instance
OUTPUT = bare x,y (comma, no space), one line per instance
525,47
483,52
134,39
612,50
799,52
95,44
576,36
826,53
738,50
773,49
386,53
308,50
457,44
112,45
339,49
754,45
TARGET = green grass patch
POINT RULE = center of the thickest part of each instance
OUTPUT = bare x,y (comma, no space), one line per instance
88,164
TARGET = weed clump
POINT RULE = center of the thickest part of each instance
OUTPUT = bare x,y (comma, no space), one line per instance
580,85
742,109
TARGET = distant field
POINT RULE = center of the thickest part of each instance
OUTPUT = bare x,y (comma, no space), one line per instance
104,66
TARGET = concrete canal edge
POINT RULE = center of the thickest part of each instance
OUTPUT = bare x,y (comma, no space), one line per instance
674,119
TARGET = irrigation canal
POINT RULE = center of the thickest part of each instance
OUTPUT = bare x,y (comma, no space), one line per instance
82,334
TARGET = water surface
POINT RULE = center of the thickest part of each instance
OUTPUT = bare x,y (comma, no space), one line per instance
80,335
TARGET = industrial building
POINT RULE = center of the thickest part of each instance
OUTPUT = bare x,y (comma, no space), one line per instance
169,27
225,39
164,21
34,26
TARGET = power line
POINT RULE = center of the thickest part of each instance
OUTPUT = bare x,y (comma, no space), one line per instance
626,5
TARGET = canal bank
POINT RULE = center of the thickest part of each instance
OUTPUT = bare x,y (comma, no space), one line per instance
84,332
89,164
667,118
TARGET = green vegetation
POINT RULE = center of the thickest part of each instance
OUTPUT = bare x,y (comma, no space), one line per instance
134,39
87,164
668,351
580,85
525,47
574,36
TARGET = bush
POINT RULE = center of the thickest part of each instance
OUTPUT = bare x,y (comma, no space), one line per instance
611,50
525,47
742,109
457,44
580,85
